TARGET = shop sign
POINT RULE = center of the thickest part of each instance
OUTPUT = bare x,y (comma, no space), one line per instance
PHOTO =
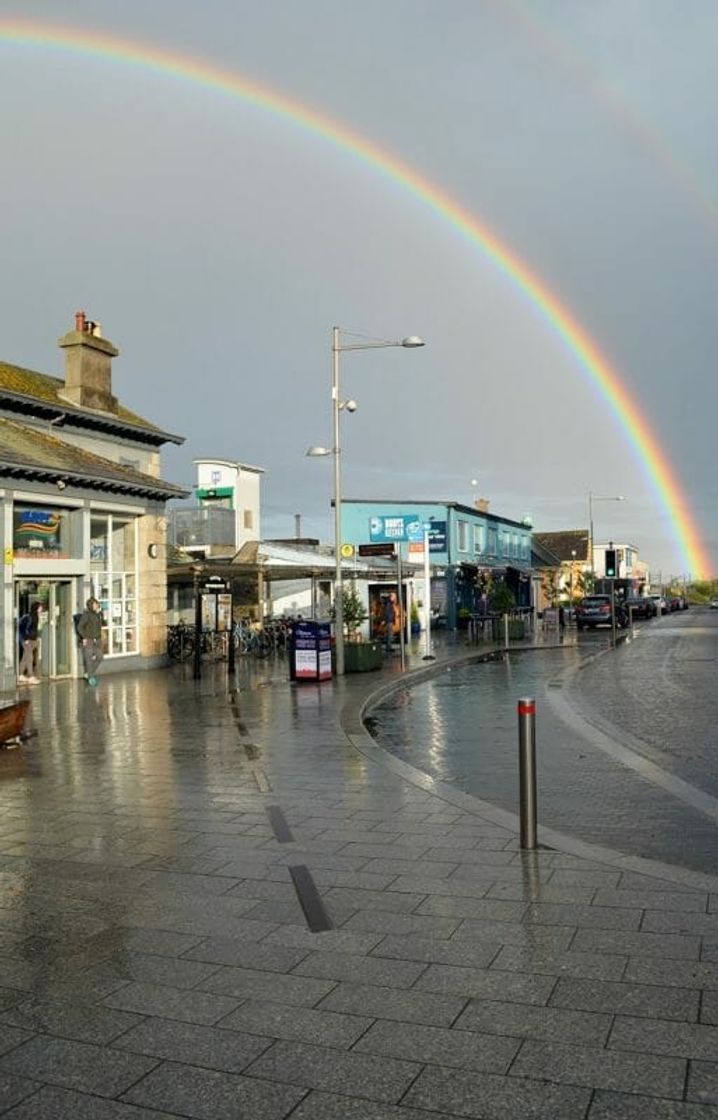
36,532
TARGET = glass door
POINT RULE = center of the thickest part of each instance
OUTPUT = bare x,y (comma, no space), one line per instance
57,630
62,629
56,636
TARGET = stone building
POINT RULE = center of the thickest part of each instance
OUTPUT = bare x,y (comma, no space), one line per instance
83,511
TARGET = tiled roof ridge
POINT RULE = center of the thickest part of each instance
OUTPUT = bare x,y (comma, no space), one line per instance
55,385
53,443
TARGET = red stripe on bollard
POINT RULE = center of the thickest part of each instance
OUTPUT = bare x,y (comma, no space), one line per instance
527,709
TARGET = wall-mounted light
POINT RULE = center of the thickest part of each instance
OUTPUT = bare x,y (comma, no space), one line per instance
61,484
152,551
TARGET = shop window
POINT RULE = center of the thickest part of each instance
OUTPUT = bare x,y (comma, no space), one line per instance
113,550
46,532
462,536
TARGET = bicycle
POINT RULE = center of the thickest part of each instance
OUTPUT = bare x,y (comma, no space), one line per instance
180,642
248,640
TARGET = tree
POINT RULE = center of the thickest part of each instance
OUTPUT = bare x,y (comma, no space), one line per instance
353,610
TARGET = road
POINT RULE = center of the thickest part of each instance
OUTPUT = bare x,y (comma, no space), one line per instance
626,740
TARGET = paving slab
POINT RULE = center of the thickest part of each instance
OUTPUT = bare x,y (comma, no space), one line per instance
376,1078
158,948
213,1095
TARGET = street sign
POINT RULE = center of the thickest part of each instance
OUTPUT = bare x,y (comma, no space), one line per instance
376,550
395,527
347,551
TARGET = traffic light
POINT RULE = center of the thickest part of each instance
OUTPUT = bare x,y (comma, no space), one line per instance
610,563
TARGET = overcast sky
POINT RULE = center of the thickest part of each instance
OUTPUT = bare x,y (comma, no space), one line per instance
218,244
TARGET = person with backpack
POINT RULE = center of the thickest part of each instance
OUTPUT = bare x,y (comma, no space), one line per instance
89,629
29,633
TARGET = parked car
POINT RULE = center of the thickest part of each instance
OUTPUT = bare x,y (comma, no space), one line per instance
714,604
595,610
660,603
641,606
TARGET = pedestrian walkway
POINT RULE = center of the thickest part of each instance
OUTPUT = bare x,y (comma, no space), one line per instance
233,904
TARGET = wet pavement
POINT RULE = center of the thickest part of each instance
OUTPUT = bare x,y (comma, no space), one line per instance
158,960
655,696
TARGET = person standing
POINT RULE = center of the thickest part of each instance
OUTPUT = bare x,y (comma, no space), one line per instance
389,623
89,627
29,632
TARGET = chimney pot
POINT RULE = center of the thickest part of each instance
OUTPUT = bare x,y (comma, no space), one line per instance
80,321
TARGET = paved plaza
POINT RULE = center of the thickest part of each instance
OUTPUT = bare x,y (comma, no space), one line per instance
233,904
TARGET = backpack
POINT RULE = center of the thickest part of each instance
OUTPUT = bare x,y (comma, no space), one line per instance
76,621
22,627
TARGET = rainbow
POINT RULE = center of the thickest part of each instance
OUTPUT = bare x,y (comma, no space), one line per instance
654,462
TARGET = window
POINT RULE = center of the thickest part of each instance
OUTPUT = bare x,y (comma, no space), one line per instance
478,538
46,533
113,541
515,546
492,545
462,533
505,544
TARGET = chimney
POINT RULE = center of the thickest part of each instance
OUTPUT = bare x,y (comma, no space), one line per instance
88,361
482,505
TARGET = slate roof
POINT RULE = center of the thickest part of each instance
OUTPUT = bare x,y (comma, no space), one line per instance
562,544
28,453
542,557
23,389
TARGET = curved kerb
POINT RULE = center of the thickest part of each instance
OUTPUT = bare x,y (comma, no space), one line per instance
352,721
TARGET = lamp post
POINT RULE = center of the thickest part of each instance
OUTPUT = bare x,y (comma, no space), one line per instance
338,347
197,570
570,593
591,499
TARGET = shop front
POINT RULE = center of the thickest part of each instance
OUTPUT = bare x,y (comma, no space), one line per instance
61,556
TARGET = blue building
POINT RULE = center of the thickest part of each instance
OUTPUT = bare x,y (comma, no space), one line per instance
471,551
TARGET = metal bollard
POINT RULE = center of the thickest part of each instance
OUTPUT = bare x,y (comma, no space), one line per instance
527,771
506,631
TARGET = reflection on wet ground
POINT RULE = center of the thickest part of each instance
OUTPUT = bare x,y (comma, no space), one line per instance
462,728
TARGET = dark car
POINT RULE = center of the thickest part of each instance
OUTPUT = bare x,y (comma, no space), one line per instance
640,606
595,610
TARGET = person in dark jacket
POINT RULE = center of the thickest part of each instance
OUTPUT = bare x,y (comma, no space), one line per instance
89,627
29,632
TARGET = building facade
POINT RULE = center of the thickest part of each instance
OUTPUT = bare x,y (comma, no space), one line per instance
227,512
83,512
471,550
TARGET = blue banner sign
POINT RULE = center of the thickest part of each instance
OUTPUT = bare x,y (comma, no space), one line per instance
395,527
437,536
407,527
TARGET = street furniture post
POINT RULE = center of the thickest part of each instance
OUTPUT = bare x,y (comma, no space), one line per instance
527,772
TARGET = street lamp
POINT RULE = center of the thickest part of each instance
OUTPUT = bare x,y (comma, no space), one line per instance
338,347
591,499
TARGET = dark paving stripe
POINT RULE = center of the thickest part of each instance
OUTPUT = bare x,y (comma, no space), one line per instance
317,918
279,824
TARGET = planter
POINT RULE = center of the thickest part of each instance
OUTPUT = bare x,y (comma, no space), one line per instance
517,629
362,657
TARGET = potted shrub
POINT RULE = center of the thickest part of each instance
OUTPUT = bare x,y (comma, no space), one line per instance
415,620
462,618
502,601
360,655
